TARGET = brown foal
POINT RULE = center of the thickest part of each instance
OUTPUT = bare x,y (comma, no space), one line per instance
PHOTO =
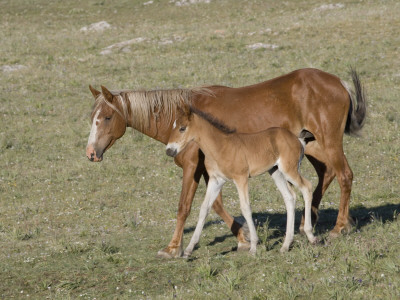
236,157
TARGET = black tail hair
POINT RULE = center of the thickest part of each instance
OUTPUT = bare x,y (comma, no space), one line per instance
358,106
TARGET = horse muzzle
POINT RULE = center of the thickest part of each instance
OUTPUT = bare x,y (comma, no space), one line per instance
171,151
92,155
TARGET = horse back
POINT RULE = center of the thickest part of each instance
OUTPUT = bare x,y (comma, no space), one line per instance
299,100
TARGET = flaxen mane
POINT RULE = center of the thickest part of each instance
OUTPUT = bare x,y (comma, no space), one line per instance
142,104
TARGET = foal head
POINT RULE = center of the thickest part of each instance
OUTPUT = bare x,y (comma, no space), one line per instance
108,123
181,133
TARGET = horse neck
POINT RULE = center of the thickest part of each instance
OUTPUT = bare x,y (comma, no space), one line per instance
210,139
158,123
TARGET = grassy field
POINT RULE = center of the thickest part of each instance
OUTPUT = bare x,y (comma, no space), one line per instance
72,229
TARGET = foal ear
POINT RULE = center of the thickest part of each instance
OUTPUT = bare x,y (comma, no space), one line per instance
107,94
94,91
185,108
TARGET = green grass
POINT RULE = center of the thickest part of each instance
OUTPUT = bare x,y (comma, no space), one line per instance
74,229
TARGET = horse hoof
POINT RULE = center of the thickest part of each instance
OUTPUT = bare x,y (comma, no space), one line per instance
243,246
186,255
169,253
339,230
334,234
284,249
253,252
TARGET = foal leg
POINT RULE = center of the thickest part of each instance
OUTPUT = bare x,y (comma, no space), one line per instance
237,229
291,174
282,186
213,189
305,187
243,191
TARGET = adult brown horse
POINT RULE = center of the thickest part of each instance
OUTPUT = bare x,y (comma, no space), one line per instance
304,101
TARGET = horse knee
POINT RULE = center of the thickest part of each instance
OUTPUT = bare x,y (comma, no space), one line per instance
346,179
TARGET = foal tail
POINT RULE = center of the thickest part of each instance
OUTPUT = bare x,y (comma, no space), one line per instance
358,106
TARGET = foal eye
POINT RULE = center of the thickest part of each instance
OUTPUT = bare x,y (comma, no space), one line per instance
182,129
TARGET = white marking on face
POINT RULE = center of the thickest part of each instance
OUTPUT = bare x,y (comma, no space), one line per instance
173,146
93,130
174,126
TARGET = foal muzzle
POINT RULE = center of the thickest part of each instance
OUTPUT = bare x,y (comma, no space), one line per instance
171,152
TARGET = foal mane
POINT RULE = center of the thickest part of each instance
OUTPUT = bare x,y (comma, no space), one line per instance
143,104
213,121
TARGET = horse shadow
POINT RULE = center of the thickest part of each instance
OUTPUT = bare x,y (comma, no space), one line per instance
361,215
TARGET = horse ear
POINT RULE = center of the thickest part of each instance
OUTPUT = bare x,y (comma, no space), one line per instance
94,91
107,94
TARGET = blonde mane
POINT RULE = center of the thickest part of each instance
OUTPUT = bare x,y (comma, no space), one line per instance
140,105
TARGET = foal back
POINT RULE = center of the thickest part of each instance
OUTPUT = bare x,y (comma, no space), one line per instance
272,147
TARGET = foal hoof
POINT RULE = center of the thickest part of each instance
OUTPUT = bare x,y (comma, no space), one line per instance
253,252
243,246
284,249
169,252
186,255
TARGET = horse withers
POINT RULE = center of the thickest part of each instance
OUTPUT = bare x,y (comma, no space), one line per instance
234,156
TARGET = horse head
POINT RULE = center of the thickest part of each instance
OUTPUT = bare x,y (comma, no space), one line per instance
181,134
108,123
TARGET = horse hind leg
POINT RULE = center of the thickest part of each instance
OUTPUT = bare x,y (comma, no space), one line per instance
345,179
317,157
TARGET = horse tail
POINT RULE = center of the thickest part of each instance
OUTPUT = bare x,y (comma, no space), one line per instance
358,106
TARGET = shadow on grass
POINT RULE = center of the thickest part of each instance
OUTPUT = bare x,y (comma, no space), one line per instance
327,218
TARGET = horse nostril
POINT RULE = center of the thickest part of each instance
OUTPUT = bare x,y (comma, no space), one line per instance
91,157
171,152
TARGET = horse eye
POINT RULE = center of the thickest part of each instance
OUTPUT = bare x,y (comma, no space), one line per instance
182,129
107,118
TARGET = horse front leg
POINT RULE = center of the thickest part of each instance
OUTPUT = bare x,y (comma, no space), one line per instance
189,187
